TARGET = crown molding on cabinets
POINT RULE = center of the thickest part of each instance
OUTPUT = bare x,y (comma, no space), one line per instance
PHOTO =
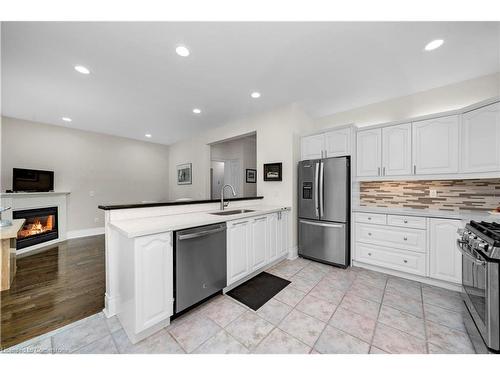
430,116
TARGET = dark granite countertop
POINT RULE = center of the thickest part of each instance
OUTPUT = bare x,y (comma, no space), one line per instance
171,203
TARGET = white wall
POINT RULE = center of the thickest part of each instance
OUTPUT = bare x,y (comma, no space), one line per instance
117,170
278,133
243,149
440,99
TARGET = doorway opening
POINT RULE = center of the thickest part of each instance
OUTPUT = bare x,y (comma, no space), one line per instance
234,162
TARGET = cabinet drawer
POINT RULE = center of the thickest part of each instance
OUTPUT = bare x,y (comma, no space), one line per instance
407,221
384,235
365,217
391,258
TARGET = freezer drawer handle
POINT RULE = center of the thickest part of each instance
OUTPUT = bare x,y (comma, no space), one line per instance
199,234
321,224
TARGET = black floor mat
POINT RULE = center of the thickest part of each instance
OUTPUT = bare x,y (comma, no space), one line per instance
258,290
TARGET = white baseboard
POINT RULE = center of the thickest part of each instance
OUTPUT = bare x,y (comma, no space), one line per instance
422,279
84,232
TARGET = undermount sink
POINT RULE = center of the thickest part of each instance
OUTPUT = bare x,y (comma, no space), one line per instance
231,212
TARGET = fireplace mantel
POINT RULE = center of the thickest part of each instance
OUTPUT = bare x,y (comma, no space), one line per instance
27,201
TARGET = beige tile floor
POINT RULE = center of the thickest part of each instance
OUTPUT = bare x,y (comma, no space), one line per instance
324,310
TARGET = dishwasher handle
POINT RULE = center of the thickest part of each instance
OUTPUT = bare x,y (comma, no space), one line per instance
200,234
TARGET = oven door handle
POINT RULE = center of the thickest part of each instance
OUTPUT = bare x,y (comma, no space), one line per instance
460,247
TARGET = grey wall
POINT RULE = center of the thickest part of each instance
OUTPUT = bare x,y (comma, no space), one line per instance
117,170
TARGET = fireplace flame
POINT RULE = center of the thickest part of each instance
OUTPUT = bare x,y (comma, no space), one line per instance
37,227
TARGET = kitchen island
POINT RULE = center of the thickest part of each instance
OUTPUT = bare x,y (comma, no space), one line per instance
140,251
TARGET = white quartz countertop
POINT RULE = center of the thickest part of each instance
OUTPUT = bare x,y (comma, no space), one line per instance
458,215
152,225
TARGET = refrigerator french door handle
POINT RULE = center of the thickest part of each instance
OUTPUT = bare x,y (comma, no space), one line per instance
316,203
321,188
320,224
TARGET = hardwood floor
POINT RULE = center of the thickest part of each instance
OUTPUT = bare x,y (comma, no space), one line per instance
52,288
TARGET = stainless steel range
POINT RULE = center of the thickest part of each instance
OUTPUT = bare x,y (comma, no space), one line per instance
479,244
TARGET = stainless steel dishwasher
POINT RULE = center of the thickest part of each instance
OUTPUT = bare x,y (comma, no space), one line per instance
200,264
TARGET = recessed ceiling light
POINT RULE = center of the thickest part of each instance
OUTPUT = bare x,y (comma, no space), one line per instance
82,69
148,135
255,95
434,44
66,119
197,111
182,51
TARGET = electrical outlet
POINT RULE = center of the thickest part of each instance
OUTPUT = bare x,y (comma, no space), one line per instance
433,193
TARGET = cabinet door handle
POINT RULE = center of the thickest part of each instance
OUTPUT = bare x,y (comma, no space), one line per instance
383,172
241,222
369,218
369,254
405,261
378,171
406,221
405,238
369,234
414,169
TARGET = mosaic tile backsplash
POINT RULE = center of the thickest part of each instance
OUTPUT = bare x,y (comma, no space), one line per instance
452,195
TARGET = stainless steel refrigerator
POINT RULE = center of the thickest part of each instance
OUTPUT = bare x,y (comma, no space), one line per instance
324,210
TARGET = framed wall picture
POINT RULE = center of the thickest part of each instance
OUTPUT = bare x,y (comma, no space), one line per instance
251,176
184,174
272,172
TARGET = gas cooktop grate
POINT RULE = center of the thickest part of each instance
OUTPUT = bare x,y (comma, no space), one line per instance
491,230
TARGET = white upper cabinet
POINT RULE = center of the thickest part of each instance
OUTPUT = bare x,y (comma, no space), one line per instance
435,146
396,150
329,144
445,260
480,139
312,147
338,142
368,146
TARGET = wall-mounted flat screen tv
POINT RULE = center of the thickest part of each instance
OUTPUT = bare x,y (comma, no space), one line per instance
32,180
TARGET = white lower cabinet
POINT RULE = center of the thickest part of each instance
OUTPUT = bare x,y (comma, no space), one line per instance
400,260
260,254
272,226
239,243
255,242
445,259
412,244
146,284
282,232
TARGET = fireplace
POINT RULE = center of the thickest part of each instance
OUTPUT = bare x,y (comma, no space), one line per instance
40,226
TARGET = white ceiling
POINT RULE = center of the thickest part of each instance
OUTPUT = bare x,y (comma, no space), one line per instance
139,85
